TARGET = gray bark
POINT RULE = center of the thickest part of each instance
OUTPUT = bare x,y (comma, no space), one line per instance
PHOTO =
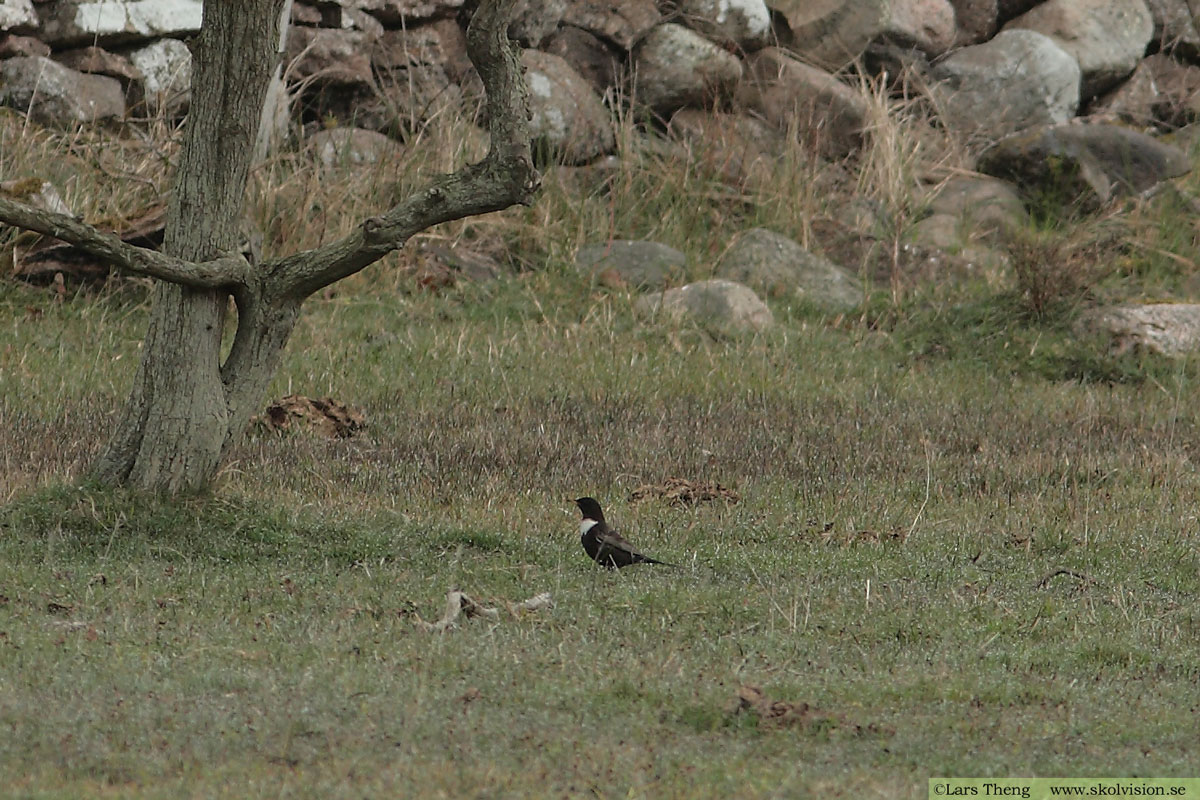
186,408
176,423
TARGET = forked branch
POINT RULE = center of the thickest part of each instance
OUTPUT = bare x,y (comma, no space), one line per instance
229,272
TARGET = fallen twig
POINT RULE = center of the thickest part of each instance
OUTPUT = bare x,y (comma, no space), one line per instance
461,603
1055,573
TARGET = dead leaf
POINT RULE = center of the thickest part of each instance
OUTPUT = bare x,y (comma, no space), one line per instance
681,492
775,714
325,415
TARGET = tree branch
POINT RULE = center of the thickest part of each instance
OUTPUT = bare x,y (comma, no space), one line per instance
228,272
505,177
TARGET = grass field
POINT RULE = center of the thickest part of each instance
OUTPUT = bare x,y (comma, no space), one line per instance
966,539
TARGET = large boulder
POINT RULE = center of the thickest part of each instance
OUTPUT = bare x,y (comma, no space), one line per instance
623,263
739,148
18,16
535,20
352,147
774,265
622,22
1161,92
1106,37
402,13
925,25
166,68
677,67
976,20
12,45
597,61
833,33
98,61
718,306
792,95
56,95
742,25
568,120
1176,27
329,56
390,82
988,206
440,43
967,214
1170,329
1018,79
70,23
1083,165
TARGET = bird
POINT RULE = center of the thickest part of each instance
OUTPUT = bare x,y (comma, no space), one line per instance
603,544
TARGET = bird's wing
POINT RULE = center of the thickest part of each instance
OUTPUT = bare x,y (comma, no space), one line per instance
615,541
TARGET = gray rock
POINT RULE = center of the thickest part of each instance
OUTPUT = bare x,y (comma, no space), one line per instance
325,56
12,45
535,20
597,61
622,22
941,231
352,147
790,94
441,43
1084,165
1175,27
744,25
1106,37
632,264
56,95
718,306
926,25
1161,92
742,149
401,13
568,119
985,206
1171,329
70,23
976,20
774,265
833,33
402,89
98,61
166,67
18,16
1018,79
676,67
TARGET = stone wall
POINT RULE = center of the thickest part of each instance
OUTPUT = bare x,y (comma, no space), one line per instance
1007,75
389,65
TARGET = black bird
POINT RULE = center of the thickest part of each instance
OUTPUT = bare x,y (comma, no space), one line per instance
605,546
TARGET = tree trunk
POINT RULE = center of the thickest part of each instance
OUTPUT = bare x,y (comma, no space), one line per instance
177,421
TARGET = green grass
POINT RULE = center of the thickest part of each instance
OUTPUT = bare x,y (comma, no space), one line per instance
903,507
967,537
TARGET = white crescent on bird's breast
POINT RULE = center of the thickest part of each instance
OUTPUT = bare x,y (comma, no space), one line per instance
586,525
